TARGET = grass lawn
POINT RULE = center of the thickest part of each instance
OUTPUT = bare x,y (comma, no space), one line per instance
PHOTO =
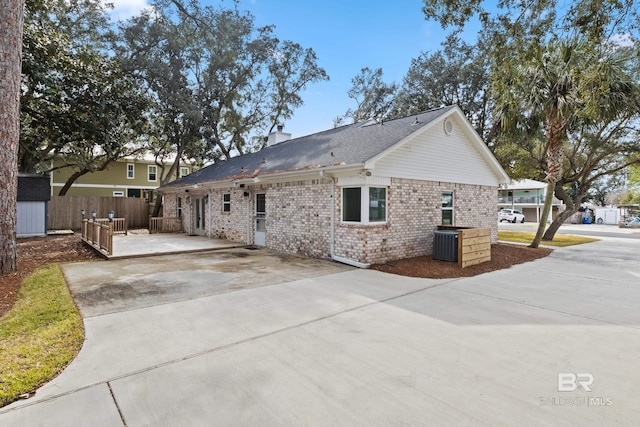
558,239
39,336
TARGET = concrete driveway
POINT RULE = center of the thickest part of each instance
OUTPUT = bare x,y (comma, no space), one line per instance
358,347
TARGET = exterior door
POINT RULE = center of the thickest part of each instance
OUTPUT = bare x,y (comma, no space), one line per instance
261,220
199,219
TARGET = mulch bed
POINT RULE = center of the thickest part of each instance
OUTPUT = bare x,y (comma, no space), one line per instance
502,256
35,252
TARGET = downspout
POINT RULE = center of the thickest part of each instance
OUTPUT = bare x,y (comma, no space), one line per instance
333,228
249,217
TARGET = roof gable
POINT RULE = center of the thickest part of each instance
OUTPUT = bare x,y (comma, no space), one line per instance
446,149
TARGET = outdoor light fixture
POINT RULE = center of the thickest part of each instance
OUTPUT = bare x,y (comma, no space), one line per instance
83,212
93,214
111,213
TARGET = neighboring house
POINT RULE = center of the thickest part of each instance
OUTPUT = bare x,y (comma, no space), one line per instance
32,207
123,178
527,196
360,194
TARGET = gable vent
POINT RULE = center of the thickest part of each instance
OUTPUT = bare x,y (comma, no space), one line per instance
448,126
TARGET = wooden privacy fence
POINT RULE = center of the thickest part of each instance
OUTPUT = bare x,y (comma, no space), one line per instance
99,235
474,245
164,225
65,211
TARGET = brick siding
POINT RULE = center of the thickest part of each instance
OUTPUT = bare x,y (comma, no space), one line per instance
299,218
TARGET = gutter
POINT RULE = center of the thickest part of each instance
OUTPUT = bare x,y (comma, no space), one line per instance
332,238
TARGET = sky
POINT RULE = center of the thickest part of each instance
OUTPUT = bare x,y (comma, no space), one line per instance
347,35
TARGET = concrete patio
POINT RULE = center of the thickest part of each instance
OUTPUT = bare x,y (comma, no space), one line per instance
137,244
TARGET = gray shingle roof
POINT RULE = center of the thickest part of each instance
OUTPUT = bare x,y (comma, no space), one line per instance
346,145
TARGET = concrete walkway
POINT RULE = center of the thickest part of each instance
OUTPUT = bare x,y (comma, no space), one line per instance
360,347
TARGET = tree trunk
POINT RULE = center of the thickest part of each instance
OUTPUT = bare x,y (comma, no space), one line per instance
11,22
67,185
555,225
546,210
563,216
555,158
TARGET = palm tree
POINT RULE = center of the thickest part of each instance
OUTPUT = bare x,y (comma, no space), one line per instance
11,19
569,84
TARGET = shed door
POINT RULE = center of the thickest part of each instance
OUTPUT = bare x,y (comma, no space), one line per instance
261,220
31,219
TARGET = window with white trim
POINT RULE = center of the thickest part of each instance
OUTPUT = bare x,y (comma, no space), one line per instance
152,173
226,202
118,194
364,205
131,171
447,208
184,171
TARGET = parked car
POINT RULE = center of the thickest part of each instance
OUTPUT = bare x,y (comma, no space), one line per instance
511,215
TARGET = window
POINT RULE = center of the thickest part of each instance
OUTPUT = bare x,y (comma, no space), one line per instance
351,200
226,202
368,203
377,204
179,207
152,173
133,192
131,171
184,171
447,208
118,194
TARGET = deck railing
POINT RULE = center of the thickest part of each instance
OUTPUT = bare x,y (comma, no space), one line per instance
119,224
98,234
165,225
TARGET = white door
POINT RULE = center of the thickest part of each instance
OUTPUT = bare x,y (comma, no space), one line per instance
261,220
199,215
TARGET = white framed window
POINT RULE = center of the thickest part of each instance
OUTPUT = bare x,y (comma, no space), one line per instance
364,205
179,203
447,208
131,171
152,173
184,171
118,194
226,202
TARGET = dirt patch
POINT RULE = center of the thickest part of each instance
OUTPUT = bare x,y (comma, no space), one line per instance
502,256
38,251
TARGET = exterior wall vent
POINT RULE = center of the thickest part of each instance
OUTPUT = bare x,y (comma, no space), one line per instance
448,126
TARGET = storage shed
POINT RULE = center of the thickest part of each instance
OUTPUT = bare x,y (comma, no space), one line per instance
34,193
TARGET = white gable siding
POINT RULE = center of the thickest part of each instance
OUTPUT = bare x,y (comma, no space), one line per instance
435,156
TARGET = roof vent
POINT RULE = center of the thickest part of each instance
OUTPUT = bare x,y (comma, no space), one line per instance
448,126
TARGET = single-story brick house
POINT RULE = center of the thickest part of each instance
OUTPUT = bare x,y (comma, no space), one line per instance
360,194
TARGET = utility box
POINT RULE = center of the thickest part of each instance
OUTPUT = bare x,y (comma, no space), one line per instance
466,245
445,245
